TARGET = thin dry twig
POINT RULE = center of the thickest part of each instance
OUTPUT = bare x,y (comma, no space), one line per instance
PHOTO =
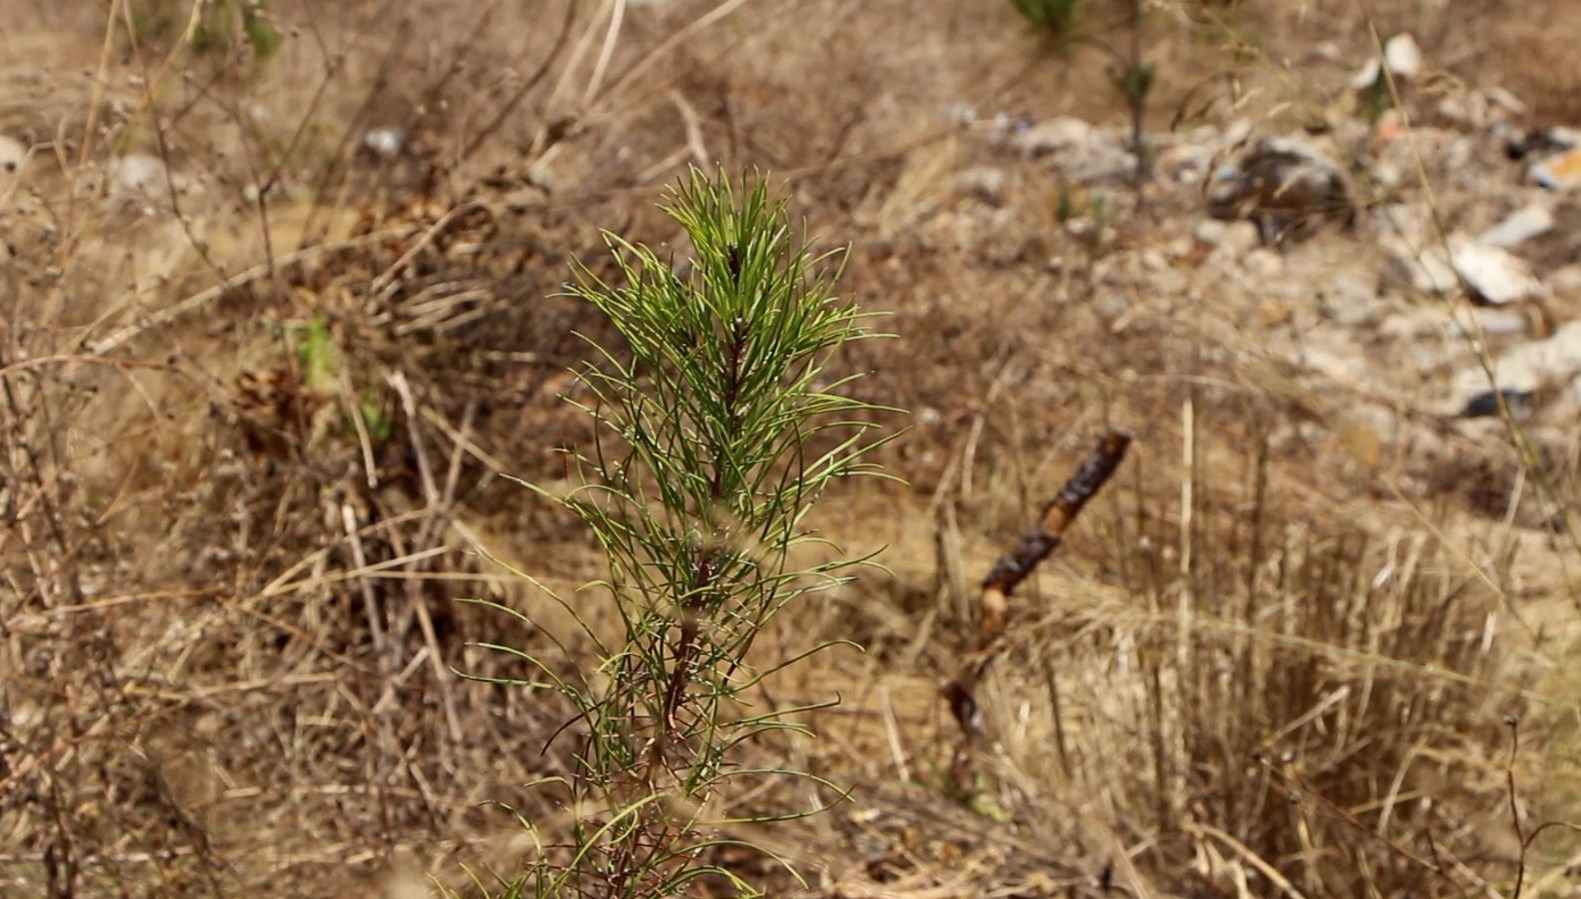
204,297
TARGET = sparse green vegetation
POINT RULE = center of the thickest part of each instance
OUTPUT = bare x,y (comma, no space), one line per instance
714,437
216,27
1056,19
1062,25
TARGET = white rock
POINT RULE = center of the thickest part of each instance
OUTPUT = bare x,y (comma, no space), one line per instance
138,174
384,143
1492,107
1400,53
1505,100
1367,76
12,155
986,183
1081,152
1529,221
1002,126
1231,241
1063,133
1495,274
1503,322
1426,271
1414,325
1410,223
1529,366
1403,55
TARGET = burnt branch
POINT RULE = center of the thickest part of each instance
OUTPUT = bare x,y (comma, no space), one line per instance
1008,573
1002,580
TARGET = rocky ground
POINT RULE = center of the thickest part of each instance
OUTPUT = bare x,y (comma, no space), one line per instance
1397,277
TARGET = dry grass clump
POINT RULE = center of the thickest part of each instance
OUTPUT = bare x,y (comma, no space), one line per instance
1308,698
235,497
1207,692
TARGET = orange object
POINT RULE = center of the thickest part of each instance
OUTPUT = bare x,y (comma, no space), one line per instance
1562,172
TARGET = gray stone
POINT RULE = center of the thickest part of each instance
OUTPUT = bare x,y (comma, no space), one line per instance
1055,135
983,182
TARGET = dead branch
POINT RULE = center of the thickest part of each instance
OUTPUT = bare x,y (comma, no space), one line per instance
1012,569
1002,580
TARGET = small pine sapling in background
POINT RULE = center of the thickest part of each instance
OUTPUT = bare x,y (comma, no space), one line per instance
1062,24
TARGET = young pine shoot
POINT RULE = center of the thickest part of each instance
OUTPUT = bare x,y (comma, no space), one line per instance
718,422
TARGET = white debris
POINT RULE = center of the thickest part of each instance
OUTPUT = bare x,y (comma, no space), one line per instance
1503,322
1496,275
1055,135
1529,366
384,143
1400,53
1368,76
961,115
138,174
1080,152
1531,220
1479,109
1403,56
13,155
983,182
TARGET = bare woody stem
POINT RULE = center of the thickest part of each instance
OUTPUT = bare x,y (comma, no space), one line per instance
1012,569
1002,580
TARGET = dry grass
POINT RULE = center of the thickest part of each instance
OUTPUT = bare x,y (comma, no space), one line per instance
248,451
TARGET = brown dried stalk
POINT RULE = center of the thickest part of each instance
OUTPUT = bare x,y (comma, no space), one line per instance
1007,574
1010,571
